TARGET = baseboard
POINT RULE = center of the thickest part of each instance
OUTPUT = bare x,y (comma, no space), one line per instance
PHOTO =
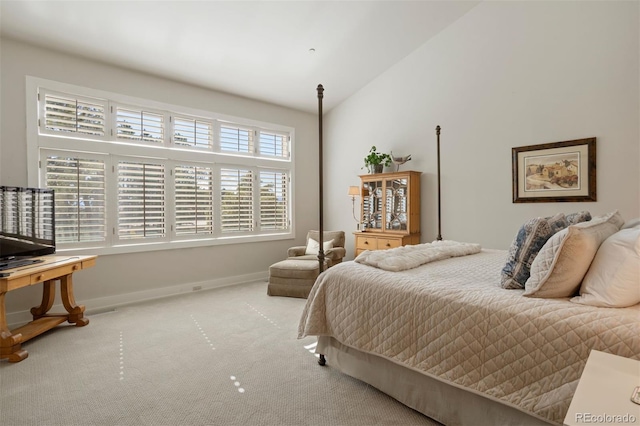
104,304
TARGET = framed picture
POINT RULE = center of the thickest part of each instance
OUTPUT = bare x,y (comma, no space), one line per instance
555,172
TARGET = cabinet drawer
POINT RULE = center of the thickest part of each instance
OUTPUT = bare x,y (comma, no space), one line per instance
366,243
387,243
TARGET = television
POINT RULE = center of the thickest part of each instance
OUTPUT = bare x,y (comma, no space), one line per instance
27,225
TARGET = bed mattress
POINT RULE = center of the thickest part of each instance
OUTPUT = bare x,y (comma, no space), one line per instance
452,321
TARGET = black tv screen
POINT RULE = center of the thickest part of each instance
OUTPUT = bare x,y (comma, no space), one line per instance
27,223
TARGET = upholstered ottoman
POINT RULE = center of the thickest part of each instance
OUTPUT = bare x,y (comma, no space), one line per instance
293,278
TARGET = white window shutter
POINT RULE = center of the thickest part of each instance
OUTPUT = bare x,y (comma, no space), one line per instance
80,197
141,200
236,139
71,114
236,200
193,200
192,132
274,144
139,125
274,200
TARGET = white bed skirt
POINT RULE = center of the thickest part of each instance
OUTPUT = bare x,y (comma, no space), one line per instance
439,400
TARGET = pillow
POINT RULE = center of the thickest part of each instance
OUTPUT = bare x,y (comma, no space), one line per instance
583,216
524,248
313,246
561,264
613,279
631,223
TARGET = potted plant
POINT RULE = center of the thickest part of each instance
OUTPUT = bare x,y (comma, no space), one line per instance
375,161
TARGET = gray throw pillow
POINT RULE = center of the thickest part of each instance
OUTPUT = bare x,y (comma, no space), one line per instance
583,216
524,248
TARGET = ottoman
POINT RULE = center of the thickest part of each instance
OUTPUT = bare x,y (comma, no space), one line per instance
292,278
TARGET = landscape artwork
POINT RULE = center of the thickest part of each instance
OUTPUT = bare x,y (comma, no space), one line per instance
559,172
555,172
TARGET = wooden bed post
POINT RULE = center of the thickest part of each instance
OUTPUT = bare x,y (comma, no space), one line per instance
439,238
320,203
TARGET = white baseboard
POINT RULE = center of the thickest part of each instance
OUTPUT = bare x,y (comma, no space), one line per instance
103,304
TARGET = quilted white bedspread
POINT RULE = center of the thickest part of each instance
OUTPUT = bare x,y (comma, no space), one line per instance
451,320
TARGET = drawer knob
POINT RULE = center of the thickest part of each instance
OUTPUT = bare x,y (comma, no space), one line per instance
39,278
388,245
74,268
366,242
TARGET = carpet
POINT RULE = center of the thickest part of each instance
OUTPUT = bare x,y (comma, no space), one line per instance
227,356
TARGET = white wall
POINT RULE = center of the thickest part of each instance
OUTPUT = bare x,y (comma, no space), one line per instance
506,74
121,278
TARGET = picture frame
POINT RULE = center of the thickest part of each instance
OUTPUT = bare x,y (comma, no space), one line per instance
555,172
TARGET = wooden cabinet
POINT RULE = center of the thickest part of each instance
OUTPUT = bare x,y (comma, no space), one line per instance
389,211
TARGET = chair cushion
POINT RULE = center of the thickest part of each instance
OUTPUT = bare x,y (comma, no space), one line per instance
304,269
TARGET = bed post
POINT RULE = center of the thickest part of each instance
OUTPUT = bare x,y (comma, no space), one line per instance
439,238
322,360
320,204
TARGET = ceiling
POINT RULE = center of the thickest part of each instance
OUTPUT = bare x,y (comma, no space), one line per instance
254,49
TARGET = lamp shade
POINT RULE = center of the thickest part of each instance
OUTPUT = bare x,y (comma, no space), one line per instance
354,191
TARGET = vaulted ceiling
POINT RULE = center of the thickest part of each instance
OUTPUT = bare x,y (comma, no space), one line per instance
273,51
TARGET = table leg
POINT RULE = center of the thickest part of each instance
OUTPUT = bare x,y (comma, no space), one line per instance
10,345
48,294
76,312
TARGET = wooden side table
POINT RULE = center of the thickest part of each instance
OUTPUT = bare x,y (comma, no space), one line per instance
604,392
52,268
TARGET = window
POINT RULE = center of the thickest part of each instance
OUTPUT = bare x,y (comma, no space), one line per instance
236,200
141,200
194,200
80,195
136,125
73,114
132,174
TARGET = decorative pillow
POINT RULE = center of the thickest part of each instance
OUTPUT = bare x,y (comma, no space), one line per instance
613,279
561,264
313,246
583,216
524,248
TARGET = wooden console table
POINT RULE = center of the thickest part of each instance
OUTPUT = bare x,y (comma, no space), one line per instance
47,272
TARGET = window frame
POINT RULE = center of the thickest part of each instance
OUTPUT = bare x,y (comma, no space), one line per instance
171,155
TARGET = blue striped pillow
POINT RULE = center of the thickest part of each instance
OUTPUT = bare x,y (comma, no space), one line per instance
524,248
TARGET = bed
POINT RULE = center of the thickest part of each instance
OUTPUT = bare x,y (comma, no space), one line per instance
445,339
461,338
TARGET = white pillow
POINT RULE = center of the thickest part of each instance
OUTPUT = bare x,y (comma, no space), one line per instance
313,246
562,262
613,279
631,223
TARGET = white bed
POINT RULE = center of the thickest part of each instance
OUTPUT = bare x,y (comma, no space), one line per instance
445,339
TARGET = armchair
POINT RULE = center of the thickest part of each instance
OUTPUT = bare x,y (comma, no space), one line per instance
332,255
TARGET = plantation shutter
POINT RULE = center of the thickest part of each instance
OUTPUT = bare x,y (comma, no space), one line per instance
70,114
236,200
274,145
236,139
141,200
193,200
192,132
274,200
80,194
139,125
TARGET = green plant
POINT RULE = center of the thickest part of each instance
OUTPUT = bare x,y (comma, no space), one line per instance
375,158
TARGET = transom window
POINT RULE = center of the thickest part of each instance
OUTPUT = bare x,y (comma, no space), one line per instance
131,172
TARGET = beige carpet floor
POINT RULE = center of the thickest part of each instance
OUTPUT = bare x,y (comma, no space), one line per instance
227,356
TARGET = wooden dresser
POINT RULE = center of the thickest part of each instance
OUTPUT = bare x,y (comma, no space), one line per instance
389,211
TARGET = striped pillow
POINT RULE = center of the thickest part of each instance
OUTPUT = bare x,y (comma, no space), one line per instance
524,248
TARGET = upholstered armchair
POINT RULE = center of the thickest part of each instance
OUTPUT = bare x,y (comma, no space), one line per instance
333,242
